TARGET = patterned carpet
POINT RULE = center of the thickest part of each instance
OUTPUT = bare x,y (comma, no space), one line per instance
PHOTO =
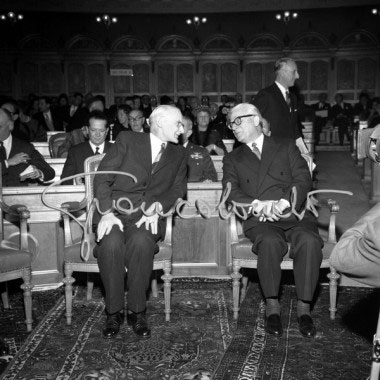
187,347
341,349
201,341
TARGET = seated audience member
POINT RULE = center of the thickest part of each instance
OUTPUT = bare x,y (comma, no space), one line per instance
96,144
16,156
238,98
205,136
219,122
200,167
145,106
121,123
262,172
77,113
374,117
159,164
322,109
136,102
63,109
183,106
205,101
341,116
129,102
136,121
153,102
25,128
224,99
362,109
166,100
357,253
48,118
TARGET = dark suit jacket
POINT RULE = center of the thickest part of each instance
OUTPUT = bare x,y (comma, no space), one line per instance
11,174
56,119
281,167
76,156
211,136
78,120
273,107
131,153
199,164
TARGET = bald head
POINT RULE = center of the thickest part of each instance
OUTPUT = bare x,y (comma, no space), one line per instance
166,123
6,124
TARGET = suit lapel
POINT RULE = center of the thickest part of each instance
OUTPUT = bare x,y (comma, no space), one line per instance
166,158
267,155
280,98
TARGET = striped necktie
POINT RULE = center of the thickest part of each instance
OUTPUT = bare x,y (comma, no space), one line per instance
287,98
256,150
158,157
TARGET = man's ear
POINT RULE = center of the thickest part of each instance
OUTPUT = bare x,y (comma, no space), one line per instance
189,133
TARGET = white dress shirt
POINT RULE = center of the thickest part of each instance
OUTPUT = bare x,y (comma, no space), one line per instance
93,147
7,143
155,145
259,143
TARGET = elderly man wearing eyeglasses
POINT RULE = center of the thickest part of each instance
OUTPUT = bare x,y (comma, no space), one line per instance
262,172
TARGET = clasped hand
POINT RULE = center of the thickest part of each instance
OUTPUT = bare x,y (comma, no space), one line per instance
269,210
150,222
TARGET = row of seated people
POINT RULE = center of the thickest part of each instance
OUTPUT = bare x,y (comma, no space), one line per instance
22,164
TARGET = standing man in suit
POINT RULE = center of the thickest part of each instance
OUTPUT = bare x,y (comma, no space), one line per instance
322,111
48,118
17,155
262,173
278,106
159,164
200,167
96,144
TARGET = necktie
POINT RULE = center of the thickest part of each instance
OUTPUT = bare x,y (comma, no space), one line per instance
158,157
256,150
97,151
287,96
3,153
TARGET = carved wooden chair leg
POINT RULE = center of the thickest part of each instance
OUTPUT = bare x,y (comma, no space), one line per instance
27,288
167,278
68,281
4,296
244,282
333,285
90,286
236,276
154,285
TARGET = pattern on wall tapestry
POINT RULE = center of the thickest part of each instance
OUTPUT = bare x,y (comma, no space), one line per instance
51,78
185,78
253,77
228,73
319,75
96,78
165,78
346,74
209,83
76,78
121,84
141,78
366,74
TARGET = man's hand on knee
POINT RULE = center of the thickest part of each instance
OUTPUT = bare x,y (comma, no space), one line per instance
106,223
151,220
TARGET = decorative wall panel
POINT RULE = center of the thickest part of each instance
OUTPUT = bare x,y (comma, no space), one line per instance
253,77
5,78
209,77
121,84
319,75
346,75
29,78
228,74
165,78
50,78
185,78
76,78
96,78
366,74
141,78
268,73
302,81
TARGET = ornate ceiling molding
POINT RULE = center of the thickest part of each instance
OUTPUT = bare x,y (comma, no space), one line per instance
173,6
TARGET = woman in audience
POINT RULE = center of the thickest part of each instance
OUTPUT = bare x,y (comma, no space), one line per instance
121,123
207,136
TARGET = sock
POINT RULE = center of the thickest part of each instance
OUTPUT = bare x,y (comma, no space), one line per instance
272,306
303,308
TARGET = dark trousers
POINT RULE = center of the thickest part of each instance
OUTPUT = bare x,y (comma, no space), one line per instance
270,244
133,249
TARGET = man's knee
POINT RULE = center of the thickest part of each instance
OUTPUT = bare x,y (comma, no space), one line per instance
113,242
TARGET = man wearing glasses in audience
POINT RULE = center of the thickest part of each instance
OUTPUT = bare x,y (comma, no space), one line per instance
136,121
262,172
159,164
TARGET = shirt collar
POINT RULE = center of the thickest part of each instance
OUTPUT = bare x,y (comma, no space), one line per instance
93,147
7,143
282,89
259,143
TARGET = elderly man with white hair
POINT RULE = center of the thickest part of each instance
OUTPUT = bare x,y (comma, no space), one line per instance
262,172
159,164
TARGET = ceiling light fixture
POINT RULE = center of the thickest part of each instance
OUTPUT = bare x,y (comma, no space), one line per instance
375,12
286,16
196,21
107,20
12,17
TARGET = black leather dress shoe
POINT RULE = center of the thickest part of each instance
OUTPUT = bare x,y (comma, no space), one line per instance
139,324
306,326
273,325
113,323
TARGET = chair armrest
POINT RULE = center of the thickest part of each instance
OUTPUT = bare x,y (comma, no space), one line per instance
234,229
70,207
333,206
23,214
169,230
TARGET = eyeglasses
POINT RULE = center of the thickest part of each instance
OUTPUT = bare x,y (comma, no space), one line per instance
237,120
137,118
